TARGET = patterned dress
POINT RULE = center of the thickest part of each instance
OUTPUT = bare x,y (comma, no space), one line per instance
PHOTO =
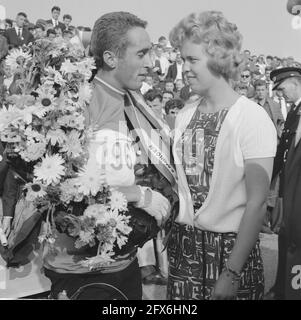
197,257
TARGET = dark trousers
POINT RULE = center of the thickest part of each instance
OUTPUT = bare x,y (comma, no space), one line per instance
98,286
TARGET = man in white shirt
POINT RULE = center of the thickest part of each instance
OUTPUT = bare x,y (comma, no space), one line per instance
164,63
54,21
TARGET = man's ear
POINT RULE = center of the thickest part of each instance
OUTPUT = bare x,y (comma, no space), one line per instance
110,59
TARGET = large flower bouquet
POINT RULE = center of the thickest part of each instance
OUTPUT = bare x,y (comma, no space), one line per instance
42,124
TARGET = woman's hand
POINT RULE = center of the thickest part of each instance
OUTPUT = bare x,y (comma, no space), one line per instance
225,287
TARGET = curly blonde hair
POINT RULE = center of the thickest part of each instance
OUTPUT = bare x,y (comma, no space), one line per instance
221,40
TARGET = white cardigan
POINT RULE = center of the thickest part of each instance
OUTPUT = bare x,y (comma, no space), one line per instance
246,133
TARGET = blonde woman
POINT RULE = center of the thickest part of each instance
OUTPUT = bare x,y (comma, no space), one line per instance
224,149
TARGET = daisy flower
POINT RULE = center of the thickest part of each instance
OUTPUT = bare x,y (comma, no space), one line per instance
17,58
46,95
119,222
34,190
118,201
72,144
50,170
90,179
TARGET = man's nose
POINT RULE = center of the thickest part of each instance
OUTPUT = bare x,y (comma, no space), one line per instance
148,61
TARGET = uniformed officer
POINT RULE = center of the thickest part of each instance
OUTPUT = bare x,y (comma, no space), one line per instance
286,165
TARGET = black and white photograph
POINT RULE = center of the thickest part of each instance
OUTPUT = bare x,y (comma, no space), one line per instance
149,151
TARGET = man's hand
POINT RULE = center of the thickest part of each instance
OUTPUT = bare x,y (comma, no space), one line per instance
159,207
6,225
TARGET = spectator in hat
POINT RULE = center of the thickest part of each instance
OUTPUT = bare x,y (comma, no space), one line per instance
287,167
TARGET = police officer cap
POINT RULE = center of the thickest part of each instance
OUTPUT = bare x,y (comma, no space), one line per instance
279,75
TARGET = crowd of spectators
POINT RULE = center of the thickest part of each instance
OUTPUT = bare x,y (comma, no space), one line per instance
166,81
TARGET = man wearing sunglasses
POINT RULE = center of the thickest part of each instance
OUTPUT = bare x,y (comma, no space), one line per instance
245,79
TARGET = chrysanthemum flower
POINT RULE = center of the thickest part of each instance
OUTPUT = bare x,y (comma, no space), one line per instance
33,151
91,179
50,170
72,144
118,201
95,211
68,190
56,136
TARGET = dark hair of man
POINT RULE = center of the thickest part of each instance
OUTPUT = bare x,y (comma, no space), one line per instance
23,14
110,34
50,31
56,8
270,57
260,83
152,94
9,21
67,16
173,104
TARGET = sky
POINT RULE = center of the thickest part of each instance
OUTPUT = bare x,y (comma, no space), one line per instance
266,25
